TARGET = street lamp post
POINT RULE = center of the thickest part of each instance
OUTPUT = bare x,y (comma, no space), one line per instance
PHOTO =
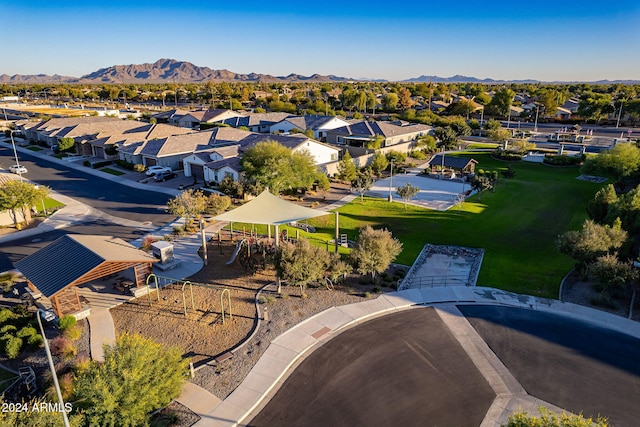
535,126
15,154
390,198
53,370
619,115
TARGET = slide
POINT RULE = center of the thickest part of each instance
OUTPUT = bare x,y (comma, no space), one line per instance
235,253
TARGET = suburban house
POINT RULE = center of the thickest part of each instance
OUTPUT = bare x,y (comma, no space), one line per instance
257,122
360,133
318,124
194,164
194,119
216,162
170,151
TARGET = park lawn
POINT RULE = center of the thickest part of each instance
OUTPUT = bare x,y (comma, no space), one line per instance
517,225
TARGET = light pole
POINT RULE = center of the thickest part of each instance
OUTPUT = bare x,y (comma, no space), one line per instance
481,117
390,198
53,370
535,126
15,154
619,115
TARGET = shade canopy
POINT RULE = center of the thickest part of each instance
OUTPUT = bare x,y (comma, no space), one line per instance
269,209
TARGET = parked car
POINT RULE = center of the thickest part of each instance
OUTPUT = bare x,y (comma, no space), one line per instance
154,170
18,169
163,176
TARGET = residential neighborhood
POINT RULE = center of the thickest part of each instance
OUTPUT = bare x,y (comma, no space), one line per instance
262,214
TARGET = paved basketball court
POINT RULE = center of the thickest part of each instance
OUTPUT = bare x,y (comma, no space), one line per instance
437,194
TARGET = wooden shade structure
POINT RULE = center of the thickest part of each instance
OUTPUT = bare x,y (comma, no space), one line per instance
72,260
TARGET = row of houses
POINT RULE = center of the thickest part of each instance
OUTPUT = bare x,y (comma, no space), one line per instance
214,153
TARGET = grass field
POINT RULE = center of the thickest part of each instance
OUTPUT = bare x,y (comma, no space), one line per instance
517,225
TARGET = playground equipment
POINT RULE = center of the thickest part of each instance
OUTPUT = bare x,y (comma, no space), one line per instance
155,283
236,251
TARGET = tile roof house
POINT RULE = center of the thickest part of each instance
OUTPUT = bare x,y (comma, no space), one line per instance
360,133
257,122
194,119
316,123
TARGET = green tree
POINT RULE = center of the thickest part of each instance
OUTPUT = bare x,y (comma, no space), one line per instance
622,161
549,419
375,250
21,196
593,241
189,204
595,106
268,164
300,263
66,144
346,168
137,377
362,183
492,124
447,136
480,184
379,162
598,208
611,274
499,135
216,204
521,146
427,143
390,101
407,193
376,142
501,102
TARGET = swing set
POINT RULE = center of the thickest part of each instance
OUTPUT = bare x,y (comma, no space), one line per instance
155,283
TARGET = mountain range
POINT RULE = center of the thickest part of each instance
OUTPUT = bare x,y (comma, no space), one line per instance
171,70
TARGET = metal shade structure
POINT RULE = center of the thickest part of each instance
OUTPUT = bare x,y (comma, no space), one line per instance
270,210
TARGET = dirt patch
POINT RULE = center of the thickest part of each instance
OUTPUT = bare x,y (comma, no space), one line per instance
585,293
203,337
9,229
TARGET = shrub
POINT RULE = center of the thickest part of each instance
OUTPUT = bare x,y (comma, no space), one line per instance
62,346
367,294
87,163
98,165
66,322
73,333
563,160
27,331
147,242
268,299
6,314
417,154
35,341
506,155
7,329
139,168
12,347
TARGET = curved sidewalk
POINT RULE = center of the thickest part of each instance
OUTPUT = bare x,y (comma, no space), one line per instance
289,349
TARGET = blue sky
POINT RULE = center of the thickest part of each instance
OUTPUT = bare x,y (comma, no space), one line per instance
543,40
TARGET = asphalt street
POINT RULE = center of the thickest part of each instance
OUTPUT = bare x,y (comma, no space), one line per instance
106,196
571,364
103,194
402,369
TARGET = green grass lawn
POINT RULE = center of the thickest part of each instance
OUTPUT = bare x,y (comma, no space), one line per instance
112,171
517,225
34,148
